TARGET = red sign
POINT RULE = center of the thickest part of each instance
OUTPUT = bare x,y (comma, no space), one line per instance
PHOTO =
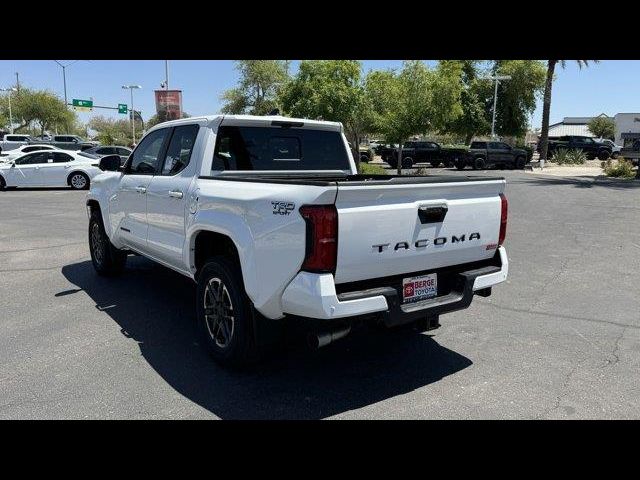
169,103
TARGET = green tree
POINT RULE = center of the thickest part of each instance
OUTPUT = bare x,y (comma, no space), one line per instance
546,103
415,100
517,97
258,87
41,107
330,90
603,127
474,119
110,131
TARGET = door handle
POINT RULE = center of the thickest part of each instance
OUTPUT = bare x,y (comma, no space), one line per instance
141,189
175,193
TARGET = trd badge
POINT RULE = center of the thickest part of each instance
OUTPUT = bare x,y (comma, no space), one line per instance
282,208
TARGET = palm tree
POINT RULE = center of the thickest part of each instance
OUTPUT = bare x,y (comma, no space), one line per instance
546,105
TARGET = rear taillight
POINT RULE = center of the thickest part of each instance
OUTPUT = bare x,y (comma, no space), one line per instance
322,238
503,218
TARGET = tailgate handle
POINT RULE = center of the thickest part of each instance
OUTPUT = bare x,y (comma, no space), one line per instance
433,214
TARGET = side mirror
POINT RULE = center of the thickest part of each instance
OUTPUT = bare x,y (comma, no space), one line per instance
110,163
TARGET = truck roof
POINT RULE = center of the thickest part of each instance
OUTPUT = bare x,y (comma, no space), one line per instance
248,120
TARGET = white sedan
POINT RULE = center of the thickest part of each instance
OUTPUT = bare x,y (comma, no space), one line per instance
17,152
50,169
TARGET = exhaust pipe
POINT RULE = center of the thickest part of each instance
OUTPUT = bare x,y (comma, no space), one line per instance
322,339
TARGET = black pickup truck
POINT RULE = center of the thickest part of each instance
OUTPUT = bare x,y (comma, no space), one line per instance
487,154
588,145
422,152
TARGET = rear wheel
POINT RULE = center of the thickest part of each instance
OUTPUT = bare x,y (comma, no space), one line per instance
603,155
435,164
107,259
460,165
479,163
79,181
225,313
520,161
407,162
364,158
3,184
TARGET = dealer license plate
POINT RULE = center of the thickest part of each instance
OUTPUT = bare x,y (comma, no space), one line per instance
419,288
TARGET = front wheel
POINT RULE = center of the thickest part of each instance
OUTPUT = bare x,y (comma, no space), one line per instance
407,162
435,164
79,181
478,163
603,155
107,259
520,161
225,313
460,165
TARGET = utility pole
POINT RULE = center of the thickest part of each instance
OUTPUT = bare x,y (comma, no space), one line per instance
64,77
18,82
497,79
9,90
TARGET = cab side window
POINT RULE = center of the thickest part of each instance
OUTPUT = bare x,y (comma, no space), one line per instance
179,151
146,157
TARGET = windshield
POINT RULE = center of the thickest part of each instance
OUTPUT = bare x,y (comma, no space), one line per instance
275,148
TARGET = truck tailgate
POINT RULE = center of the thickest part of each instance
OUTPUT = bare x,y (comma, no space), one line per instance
392,227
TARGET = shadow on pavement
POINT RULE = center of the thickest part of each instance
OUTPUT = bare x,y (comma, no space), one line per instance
580,182
154,306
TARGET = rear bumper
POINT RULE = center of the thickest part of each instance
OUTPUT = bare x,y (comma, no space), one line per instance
314,296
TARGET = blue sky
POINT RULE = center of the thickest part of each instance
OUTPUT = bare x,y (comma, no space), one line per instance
609,86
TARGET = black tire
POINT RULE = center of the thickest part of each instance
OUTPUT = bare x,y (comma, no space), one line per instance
393,163
78,181
615,155
479,163
407,162
364,158
603,155
3,184
230,339
435,164
107,260
460,165
520,162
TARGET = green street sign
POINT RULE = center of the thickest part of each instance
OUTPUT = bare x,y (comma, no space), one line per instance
122,108
82,103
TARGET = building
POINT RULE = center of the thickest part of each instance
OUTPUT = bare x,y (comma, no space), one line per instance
573,126
627,128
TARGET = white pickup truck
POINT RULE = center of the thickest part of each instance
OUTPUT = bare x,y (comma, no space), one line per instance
269,217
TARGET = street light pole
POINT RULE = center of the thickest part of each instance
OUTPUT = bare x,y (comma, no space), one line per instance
9,98
497,79
64,78
166,74
133,112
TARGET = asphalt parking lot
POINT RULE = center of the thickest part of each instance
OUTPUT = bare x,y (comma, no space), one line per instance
560,339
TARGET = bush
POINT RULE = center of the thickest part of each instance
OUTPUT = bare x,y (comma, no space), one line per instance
569,157
577,157
620,169
369,169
